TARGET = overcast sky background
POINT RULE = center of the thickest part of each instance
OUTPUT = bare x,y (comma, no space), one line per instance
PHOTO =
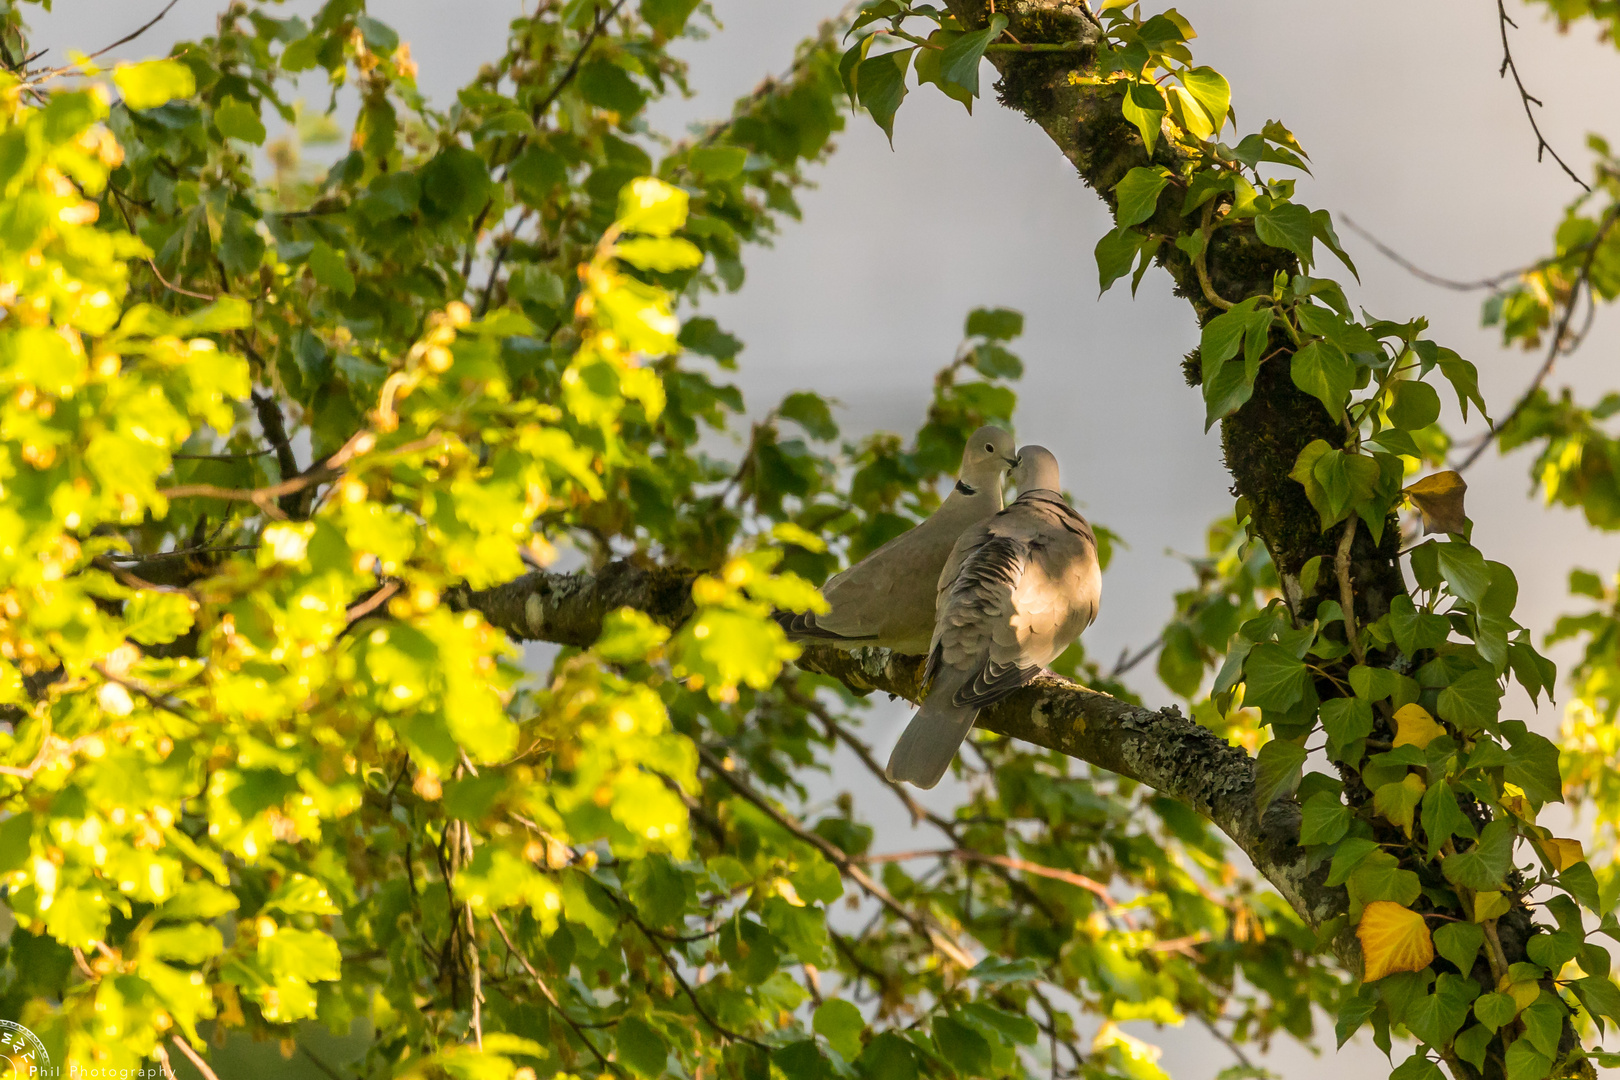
1410,131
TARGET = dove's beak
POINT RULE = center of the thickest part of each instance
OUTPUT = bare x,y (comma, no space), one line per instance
1013,462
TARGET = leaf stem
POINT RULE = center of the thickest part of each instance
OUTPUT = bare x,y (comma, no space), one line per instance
1347,595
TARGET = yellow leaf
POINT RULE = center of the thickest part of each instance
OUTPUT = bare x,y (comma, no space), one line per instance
1439,498
1489,905
1562,853
1415,727
1392,939
1524,993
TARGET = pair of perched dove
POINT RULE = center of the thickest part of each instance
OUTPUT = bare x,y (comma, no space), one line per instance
989,595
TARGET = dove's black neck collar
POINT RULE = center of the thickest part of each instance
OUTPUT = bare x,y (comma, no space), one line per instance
965,488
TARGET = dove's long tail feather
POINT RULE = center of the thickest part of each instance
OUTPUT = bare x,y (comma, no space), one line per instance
930,741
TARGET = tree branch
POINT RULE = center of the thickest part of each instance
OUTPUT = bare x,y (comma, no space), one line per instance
1159,748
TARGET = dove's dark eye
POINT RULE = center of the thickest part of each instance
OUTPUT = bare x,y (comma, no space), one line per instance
990,447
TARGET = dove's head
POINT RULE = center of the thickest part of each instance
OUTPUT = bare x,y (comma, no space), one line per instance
1036,468
989,454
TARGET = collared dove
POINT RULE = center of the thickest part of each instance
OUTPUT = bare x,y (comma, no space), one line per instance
887,599
1016,591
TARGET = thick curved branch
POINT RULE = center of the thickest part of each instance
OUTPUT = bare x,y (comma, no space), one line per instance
1159,748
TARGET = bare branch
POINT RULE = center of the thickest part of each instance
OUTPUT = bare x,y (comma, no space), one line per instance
1508,65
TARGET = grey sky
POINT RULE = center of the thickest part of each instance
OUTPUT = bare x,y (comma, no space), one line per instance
1410,131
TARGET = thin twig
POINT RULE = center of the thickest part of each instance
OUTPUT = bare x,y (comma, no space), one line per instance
1555,349
680,980
1068,877
163,1060
127,38
835,855
1127,660
319,1063
1542,145
1226,1040
246,455
1347,595
573,65
202,1066
1493,282
551,998
372,602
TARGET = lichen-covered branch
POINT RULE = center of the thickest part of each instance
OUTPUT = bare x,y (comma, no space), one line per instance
1159,748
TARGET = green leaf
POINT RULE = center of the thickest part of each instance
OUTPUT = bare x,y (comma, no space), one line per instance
810,412
1443,818
1533,765
1437,1017
1145,107
1379,877
1414,629
1286,226
1212,92
888,1057
668,17
1464,569
841,1024
1397,801
1483,867
1350,854
997,324
641,1046
1274,678
1459,942
962,1046
331,269
1276,772
1324,820
156,618
151,83
1138,194
1600,997
1472,701
237,119
1415,405
1323,371
608,86
959,64
1494,1010
880,83
1353,1013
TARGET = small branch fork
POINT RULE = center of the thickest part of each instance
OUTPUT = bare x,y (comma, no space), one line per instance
1508,65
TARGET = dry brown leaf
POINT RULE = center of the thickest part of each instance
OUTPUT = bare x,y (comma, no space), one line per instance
1439,498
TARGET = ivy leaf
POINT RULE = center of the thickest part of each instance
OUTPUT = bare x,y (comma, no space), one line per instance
1435,1018
1443,818
1144,107
1287,226
1459,942
1533,765
1324,820
959,64
1397,802
1137,194
1415,630
1379,877
1392,939
1277,772
1346,720
997,324
1494,1010
1415,405
1415,727
1439,498
1471,702
1212,92
880,83
1600,997
1484,866
1322,370
1274,677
